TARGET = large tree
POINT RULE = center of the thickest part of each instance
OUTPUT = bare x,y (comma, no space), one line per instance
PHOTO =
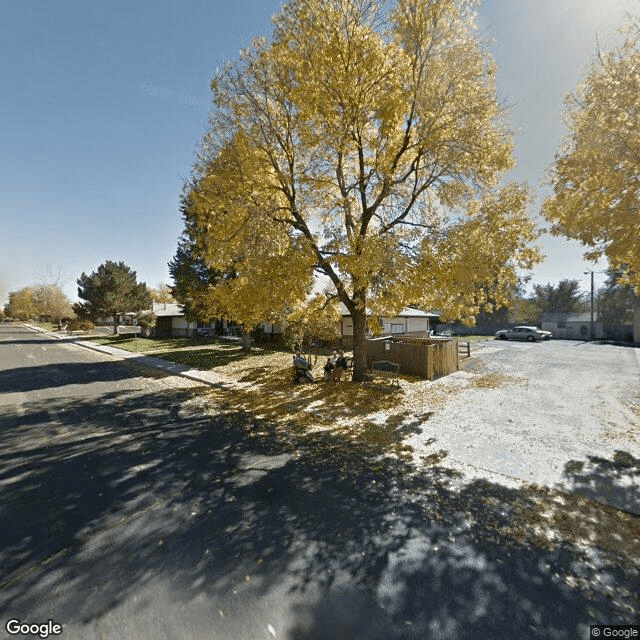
22,304
193,281
565,297
111,290
615,301
249,282
363,142
596,173
52,302
161,294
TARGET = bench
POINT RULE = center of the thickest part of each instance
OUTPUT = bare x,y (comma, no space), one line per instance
387,370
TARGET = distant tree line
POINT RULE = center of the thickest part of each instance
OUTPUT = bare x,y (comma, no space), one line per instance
46,301
614,302
110,291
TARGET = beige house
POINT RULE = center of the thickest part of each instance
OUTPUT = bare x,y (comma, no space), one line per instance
170,320
408,322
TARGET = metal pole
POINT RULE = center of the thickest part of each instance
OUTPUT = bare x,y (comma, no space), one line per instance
592,333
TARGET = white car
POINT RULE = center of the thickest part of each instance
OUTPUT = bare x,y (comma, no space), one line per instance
530,334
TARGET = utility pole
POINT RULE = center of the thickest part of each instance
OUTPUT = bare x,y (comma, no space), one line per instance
592,335
592,322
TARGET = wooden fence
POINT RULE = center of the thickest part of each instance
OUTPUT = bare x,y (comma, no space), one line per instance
464,348
427,358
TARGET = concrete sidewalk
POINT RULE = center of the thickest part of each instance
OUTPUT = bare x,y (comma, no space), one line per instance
171,368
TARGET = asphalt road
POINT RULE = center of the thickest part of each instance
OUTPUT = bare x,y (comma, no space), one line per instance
128,513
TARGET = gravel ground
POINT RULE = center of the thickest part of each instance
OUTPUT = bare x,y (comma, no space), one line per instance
560,414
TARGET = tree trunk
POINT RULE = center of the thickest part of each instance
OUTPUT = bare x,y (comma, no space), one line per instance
359,318
246,340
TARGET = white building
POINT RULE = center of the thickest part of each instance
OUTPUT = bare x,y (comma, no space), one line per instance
572,326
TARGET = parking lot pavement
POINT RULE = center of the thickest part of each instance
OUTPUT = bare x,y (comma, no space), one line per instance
560,414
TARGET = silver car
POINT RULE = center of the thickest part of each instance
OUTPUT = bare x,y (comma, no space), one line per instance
523,333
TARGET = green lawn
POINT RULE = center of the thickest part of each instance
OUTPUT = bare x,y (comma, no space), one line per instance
49,326
130,343
197,353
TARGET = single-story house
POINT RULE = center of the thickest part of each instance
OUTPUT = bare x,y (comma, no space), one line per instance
271,331
170,320
572,326
409,321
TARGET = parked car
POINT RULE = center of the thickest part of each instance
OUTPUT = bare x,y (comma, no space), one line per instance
523,333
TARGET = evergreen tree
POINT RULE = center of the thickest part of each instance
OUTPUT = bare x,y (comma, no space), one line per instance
565,297
193,281
111,290
616,301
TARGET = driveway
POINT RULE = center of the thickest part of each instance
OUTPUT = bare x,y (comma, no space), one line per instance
560,413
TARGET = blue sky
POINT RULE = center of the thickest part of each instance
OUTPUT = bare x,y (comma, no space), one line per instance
102,105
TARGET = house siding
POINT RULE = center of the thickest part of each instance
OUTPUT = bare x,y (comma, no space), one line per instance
572,326
575,330
180,327
416,325
412,323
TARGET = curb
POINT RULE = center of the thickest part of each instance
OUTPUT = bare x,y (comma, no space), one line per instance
172,368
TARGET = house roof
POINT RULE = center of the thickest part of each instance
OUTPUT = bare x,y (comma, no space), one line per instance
167,309
410,312
407,312
567,317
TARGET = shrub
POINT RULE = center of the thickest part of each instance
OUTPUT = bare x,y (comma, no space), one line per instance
80,325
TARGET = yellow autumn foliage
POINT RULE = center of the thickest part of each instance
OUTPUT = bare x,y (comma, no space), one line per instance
363,142
596,174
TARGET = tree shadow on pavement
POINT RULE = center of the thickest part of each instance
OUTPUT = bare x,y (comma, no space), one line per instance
53,376
145,486
615,481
